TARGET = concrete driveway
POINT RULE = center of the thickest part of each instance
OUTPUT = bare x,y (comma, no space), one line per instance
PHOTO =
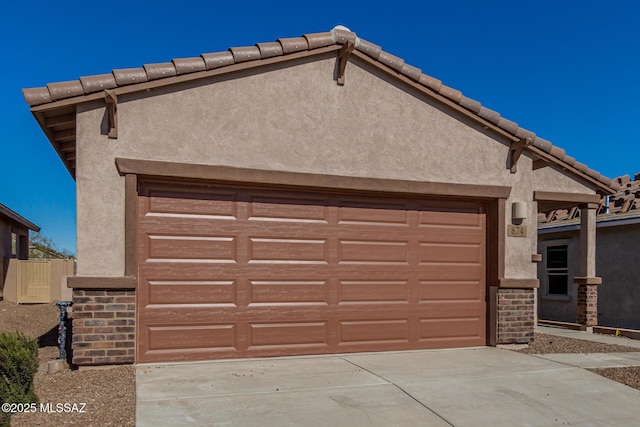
462,387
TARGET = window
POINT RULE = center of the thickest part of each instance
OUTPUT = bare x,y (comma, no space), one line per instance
557,270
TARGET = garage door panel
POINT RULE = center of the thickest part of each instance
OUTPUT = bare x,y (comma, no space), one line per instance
373,291
373,251
161,292
288,334
451,253
190,336
464,327
177,204
255,272
287,250
191,247
451,290
278,208
288,291
376,331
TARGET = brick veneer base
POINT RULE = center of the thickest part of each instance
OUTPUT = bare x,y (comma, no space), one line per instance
515,316
103,326
588,305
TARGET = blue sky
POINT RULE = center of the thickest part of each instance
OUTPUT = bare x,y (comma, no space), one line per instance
569,71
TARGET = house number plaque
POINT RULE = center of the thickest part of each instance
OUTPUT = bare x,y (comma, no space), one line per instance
516,230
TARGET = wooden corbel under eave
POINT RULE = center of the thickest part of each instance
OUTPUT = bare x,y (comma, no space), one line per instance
515,150
111,99
343,57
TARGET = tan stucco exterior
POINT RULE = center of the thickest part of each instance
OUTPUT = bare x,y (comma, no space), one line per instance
292,118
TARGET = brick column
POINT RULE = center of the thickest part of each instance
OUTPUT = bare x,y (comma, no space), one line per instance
515,316
588,282
103,326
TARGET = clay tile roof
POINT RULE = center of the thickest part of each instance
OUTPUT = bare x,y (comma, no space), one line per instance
244,54
97,83
294,44
89,88
217,59
622,205
189,65
160,71
129,76
317,40
269,50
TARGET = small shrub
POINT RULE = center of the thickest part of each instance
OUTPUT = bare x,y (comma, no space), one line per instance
18,366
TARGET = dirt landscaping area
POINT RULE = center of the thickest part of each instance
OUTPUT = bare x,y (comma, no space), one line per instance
109,393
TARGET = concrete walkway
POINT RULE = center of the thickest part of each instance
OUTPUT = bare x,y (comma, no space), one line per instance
461,387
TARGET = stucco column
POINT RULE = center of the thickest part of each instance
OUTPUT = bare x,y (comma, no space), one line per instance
588,282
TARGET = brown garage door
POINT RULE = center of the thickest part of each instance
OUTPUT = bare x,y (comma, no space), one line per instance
238,272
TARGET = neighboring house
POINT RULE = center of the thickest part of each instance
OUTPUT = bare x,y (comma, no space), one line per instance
14,240
310,195
618,246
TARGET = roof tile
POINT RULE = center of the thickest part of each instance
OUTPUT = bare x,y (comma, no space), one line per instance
129,76
557,152
36,95
269,50
189,65
524,133
581,166
470,104
160,70
370,49
411,72
391,60
244,54
64,90
490,115
569,160
293,44
317,40
217,59
542,144
92,84
430,82
451,93
343,36
508,125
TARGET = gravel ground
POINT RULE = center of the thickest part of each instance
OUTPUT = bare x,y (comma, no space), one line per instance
549,344
109,394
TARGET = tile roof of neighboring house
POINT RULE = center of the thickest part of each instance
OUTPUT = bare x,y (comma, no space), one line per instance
88,88
624,204
8,213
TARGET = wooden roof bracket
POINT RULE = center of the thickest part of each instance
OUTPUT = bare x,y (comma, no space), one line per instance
111,99
343,57
515,150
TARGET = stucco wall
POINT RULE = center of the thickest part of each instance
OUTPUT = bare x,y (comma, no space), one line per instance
553,178
293,118
616,262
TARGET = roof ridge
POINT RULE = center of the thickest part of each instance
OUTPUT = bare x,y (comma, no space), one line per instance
339,35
